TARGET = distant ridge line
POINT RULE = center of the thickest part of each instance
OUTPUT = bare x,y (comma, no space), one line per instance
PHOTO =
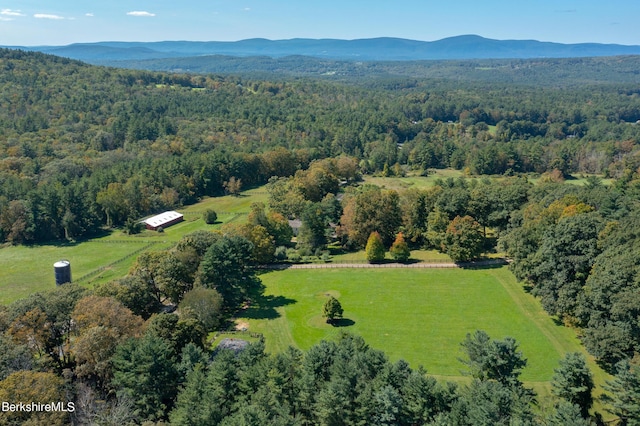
368,49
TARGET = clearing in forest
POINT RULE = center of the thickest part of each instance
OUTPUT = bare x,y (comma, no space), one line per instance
419,315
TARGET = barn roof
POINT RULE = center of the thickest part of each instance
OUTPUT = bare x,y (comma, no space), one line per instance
162,218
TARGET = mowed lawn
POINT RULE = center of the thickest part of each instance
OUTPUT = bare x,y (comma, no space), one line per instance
419,315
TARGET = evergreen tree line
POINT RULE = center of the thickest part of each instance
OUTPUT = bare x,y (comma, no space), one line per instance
577,250
73,344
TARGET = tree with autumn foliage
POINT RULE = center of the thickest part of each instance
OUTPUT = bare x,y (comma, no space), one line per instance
34,386
233,186
367,210
101,324
400,249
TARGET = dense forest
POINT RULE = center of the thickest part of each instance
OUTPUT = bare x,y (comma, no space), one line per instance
541,72
83,148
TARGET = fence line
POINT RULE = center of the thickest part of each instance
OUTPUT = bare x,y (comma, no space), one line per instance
194,213
255,335
363,264
122,259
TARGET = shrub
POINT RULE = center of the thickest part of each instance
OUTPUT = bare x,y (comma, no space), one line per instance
132,227
293,255
280,253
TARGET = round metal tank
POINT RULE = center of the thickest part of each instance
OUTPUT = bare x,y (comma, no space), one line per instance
62,270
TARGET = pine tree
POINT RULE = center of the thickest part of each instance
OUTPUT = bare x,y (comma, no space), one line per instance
623,394
573,382
144,370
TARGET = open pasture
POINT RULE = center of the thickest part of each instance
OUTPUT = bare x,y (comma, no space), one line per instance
29,269
421,182
412,181
417,315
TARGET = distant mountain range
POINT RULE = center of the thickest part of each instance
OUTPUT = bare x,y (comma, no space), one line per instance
374,49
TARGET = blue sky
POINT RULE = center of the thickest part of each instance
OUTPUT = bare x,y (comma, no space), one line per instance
40,22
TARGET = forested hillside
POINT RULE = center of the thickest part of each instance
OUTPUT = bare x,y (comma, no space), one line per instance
542,72
83,146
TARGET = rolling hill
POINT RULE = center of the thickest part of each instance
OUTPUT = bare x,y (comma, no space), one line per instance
373,49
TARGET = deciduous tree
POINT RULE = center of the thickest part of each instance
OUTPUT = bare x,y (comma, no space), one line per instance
332,309
210,216
133,293
29,387
102,323
463,239
368,210
205,304
375,248
233,186
399,249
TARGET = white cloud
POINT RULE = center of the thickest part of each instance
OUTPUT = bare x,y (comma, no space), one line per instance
140,13
2,18
247,9
91,15
47,16
10,12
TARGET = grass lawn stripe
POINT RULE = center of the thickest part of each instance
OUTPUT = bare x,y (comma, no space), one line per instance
563,338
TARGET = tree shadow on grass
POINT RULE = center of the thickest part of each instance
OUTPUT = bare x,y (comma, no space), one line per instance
264,307
342,322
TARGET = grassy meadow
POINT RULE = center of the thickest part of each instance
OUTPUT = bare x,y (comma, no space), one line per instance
411,180
419,315
29,269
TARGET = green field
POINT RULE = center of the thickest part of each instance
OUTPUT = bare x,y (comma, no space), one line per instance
410,181
421,182
29,269
420,315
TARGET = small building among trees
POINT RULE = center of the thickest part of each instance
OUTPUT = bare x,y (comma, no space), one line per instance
163,220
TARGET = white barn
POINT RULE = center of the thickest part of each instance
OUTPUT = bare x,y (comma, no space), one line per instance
163,220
